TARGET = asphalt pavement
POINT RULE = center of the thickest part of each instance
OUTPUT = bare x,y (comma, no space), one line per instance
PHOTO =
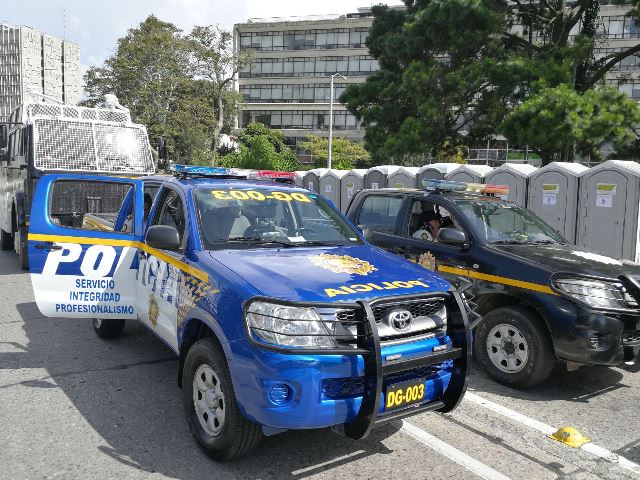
76,406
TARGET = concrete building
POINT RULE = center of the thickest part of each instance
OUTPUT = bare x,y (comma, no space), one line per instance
34,63
286,84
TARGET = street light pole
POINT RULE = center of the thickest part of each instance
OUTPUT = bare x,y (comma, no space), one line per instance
331,117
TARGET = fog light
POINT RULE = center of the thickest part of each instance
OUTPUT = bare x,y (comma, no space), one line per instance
280,393
598,340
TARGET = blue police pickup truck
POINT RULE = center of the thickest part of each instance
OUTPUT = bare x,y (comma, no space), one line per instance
543,300
282,315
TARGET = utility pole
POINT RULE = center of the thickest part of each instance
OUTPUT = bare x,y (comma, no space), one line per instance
331,116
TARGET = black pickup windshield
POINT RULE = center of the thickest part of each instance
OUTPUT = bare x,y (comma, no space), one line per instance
506,223
258,216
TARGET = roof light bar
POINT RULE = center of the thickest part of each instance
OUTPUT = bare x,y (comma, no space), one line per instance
197,171
203,171
451,186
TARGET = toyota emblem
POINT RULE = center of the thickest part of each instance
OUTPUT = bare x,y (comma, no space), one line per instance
400,320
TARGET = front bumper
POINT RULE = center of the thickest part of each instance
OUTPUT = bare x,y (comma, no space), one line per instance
347,390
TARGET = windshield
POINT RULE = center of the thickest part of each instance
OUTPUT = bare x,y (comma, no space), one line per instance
506,223
267,216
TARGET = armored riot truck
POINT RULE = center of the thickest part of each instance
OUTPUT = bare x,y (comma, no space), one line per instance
46,136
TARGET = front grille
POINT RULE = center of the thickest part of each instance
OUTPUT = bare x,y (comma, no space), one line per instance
418,308
346,315
631,338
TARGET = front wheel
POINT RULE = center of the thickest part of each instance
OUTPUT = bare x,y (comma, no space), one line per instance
21,247
513,346
210,405
108,327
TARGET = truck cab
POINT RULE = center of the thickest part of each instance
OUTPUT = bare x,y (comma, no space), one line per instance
281,314
543,299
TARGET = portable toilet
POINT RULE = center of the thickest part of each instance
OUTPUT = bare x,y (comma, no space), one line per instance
435,171
352,181
312,179
298,177
553,196
376,177
515,176
330,185
470,173
608,209
404,177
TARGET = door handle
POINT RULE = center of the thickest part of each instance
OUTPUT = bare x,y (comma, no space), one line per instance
47,246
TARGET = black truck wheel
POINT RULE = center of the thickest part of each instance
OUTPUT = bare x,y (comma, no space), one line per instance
6,240
20,244
513,346
108,327
210,405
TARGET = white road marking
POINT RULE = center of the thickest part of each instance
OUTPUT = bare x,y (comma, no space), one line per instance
452,453
548,430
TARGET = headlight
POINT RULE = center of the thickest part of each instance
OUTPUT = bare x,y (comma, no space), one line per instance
596,293
287,326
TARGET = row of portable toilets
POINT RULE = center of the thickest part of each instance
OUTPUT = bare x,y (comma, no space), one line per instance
596,208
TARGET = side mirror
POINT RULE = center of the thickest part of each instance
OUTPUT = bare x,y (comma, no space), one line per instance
4,136
367,233
163,237
453,237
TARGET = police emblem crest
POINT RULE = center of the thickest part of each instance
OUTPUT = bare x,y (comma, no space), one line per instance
343,264
428,261
154,310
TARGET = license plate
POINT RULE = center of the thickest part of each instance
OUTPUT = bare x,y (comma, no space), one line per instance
404,393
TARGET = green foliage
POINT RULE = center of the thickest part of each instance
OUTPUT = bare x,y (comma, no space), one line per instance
345,154
560,119
262,148
452,71
153,73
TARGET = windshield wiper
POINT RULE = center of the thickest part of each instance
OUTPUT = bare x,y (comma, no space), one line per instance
317,243
261,241
508,242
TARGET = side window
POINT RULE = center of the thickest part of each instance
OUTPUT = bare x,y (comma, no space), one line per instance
171,212
89,205
426,220
150,192
380,212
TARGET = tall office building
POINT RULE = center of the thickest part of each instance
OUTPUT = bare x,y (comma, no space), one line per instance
34,63
286,84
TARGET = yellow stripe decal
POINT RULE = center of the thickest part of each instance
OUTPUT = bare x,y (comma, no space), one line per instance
199,274
496,279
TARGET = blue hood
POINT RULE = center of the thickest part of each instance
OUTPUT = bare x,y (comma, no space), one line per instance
329,274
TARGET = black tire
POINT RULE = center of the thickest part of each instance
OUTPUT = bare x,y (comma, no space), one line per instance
525,332
20,245
108,327
238,436
6,240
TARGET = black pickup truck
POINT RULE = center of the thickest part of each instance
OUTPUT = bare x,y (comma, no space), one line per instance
543,299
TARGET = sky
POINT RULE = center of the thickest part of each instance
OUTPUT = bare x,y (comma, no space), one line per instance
97,24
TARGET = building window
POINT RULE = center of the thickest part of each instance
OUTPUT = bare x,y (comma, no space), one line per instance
359,65
286,93
315,39
300,119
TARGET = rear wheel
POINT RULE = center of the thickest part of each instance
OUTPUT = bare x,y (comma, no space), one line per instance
108,327
210,405
514,347
6,240
21,248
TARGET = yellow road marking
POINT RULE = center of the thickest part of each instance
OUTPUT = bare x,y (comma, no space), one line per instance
199,274
496,279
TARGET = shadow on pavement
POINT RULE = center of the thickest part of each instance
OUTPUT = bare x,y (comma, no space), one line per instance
127,391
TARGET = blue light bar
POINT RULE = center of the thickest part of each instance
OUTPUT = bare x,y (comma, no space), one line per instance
202,171
448,185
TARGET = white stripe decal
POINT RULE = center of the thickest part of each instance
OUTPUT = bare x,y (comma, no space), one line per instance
452,453
548,430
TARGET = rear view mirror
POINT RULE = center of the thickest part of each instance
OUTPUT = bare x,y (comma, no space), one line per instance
163,237
453,237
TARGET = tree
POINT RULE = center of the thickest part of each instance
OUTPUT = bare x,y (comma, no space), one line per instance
263,149
216,61
560,118
452,71
345,154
